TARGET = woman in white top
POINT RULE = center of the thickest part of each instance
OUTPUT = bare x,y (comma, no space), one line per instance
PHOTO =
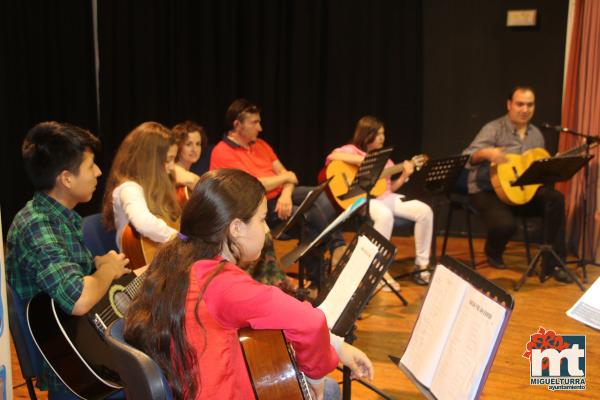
370,135
140,189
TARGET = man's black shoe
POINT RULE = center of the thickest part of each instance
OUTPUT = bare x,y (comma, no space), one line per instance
497,263
561,276
558,273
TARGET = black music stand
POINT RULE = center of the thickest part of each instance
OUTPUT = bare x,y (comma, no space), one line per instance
368,174
437,177
304,247
366,177
308,201
549,171
487,288
345,325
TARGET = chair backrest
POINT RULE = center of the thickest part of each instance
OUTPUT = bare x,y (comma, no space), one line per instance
142,377
97,239
461,186
28,354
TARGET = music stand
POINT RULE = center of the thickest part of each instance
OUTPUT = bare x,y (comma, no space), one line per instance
368,174
308,201
304,247
549,171
345,325
438,176
441,174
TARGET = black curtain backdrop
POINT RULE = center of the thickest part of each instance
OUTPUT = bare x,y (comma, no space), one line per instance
46,73
434,73
314,67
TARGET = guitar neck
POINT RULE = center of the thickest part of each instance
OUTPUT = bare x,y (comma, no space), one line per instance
135,286
576,150
387,172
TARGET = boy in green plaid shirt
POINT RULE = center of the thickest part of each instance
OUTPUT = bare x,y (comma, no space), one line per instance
46,252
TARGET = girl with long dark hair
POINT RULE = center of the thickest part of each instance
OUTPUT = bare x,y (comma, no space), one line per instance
195,298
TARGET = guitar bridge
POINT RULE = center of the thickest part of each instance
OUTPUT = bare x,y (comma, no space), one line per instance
346,180
516,176
99,324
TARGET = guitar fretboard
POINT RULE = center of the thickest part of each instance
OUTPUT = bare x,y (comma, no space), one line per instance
306,393
135,286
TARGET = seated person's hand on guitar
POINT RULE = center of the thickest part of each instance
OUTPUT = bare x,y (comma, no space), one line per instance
114,261
496,155
408,168
357,361
283,208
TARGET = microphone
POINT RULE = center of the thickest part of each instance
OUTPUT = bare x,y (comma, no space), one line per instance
556,128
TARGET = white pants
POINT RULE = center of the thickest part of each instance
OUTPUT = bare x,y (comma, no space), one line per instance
383,210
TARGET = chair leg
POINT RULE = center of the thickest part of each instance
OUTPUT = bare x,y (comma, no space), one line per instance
470,234
526,238
447,231
30,389
301,274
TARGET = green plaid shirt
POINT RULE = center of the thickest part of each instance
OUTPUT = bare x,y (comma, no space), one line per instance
46,253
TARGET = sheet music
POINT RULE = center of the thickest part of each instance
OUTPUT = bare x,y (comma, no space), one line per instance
433,326
340,218
587,308
348,280
468,347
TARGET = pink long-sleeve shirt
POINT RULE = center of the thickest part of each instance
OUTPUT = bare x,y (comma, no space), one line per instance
233,300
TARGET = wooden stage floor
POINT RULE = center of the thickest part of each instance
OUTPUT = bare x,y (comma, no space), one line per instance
386,325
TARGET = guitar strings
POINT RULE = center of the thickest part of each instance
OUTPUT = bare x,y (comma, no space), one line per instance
135,285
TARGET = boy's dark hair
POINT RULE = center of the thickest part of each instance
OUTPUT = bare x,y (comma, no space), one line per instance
52,147
238,110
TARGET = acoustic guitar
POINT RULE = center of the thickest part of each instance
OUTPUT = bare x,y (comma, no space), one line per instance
74,347
183,195
271,365
343,174
139,249
503,174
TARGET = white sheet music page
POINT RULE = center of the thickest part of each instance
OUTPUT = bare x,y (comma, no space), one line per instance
587,308
433,326
340,218
468,348
349,279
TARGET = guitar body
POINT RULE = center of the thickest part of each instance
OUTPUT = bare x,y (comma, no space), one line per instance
271,365
73,346
501,176
139,249
183,195
343,174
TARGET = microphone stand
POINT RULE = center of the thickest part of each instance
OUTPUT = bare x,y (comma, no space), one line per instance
582,261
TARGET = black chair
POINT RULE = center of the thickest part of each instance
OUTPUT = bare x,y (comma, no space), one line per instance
97,239
459,201
142,377
30,359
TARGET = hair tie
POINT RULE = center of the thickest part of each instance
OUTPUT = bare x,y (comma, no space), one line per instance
182,237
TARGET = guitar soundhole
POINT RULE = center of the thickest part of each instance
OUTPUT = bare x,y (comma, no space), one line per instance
121,303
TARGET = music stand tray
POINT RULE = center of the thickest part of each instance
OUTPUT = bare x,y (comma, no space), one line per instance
305,247
368,173
308,201
547,171
551,170
438,176
345,324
